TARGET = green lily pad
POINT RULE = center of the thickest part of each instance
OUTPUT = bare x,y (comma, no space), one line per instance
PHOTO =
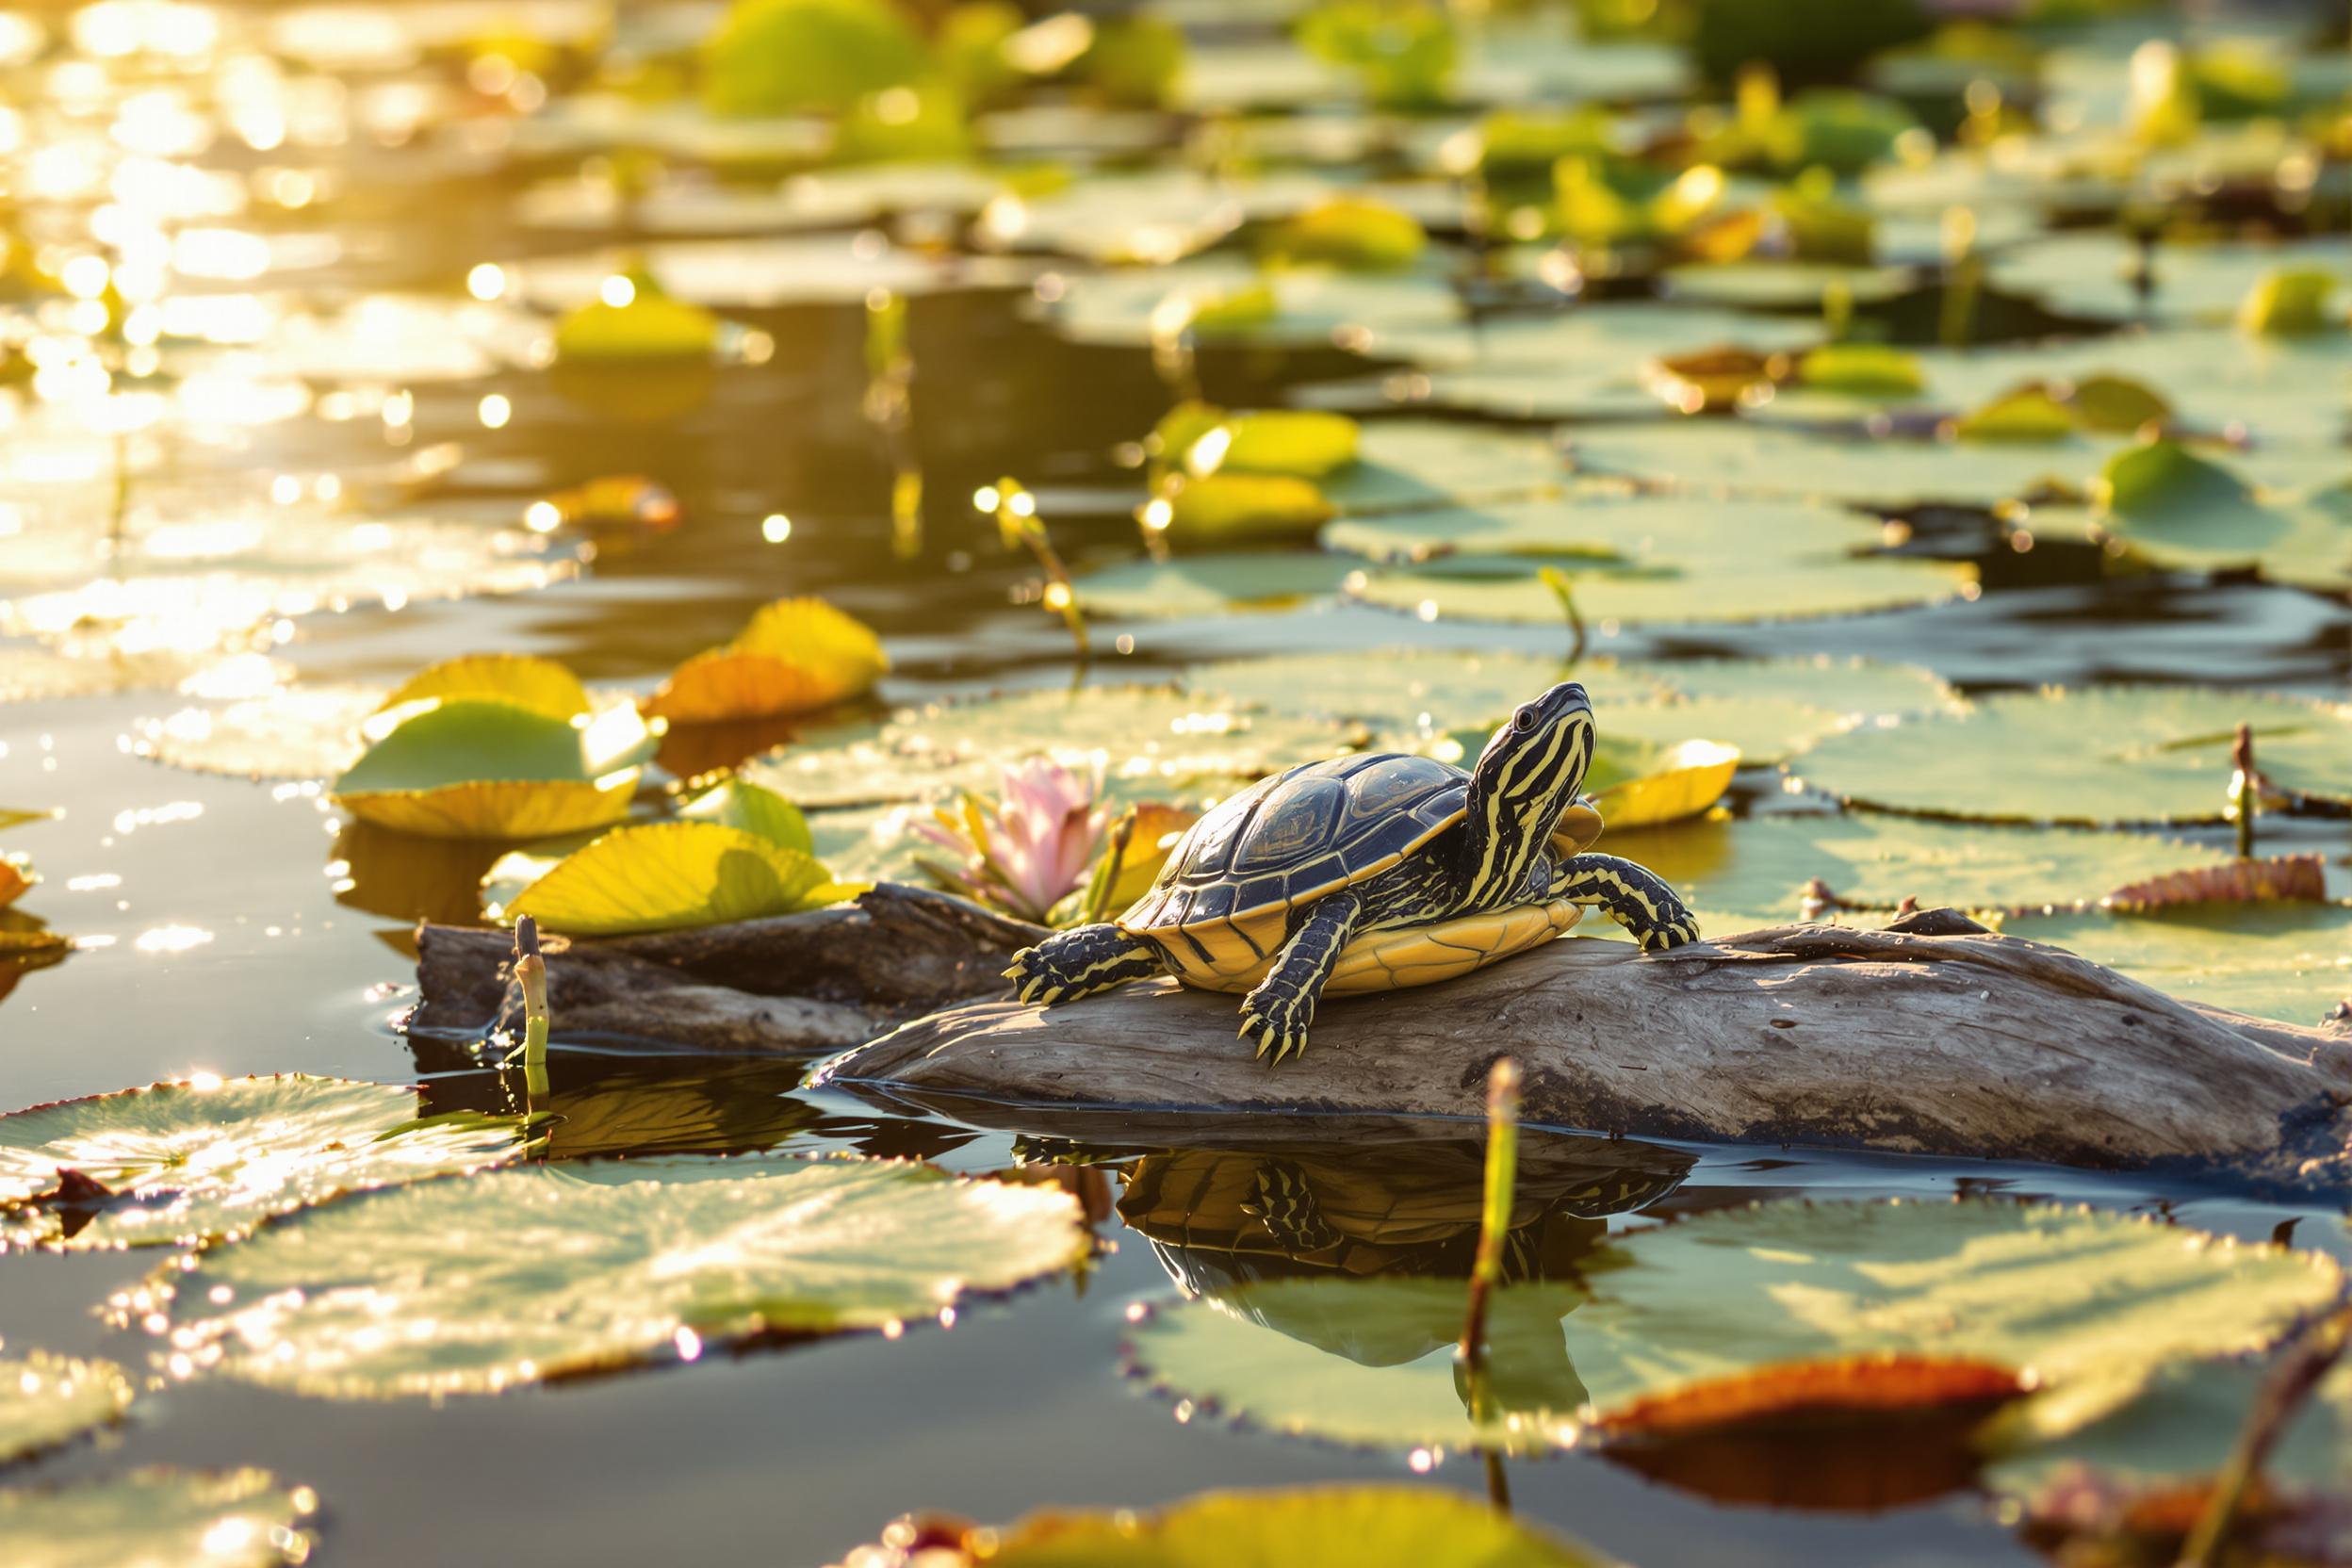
764,271
786,57
2180,509
665,876
471,767
1487,589
208,1158
1602,340
1412,688
1770,708
518,1276
46,1399
1760,863
1383,1526
2181,1428
1298,307
2067,1293
1206,585
1751,457
2291,962
2091,273
1631,529
2095,755
1784,285
763,813
222,1519
1409,463
1155,740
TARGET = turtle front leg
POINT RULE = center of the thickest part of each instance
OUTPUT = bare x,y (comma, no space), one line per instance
1276,1015
1071,963
1635,897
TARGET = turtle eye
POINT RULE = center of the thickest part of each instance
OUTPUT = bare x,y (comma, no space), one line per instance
1523,720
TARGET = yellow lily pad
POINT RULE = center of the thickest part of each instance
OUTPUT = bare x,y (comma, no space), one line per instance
472,768
1641,784
665,876
796,655
541,685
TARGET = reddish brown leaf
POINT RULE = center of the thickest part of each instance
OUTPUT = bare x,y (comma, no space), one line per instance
2283,877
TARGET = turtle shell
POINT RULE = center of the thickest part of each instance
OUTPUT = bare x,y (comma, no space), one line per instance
1222,902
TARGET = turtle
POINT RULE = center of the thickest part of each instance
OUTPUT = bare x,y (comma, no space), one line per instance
1372,872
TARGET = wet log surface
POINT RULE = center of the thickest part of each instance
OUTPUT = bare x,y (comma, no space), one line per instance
1932,1036
795,983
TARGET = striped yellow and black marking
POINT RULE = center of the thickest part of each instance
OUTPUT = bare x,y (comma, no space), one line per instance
1071,963
1634,897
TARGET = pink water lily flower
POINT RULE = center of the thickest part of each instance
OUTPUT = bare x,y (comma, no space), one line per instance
1032,846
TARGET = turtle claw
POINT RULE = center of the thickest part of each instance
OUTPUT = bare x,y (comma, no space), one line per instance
1277,1025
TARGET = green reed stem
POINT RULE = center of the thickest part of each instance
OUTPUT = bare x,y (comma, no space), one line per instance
2298,1371
1502,1178
2245,793
1563,589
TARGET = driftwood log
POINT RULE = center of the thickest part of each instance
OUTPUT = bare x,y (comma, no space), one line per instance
1932,1036
796,983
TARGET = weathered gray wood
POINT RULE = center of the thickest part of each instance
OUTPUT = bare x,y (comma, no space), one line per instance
1964,1044
813,982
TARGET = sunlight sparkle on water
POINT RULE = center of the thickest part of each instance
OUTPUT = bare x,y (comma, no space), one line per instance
172,939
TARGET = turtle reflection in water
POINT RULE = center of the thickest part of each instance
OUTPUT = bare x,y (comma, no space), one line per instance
1370,873
1282,1239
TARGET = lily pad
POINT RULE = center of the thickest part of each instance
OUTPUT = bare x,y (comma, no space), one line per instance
2095,755
1198,586
1409,463
1156,739
1489,589
2180,509
46,1399
2291,962
2069,1293
665,876
474,768
1638,783
1782,285
1384,1528
796,655
2092,273
521,1276
764,273
299,732
1409,690
1761,863
1630,528
209,1158
1298,307
541,685
222,1519
1748,457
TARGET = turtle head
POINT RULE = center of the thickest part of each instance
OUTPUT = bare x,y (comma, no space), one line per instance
1528,775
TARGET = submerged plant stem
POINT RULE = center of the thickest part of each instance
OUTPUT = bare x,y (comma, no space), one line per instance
2298,1371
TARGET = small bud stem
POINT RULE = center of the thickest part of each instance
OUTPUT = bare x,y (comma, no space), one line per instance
530,970
2296,1373
1502,1177
2245,790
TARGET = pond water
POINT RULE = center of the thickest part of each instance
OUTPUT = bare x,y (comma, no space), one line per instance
228,926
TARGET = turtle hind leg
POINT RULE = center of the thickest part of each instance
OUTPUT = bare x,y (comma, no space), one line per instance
1071,963
1276,1015
1634,896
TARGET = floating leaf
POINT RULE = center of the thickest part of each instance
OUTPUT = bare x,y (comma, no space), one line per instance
1383,1527
1155,740
2291,962
1413,689
2183,510
541,685
2029,414
1480,590
46,1399
665,876
1227,509
1641,784
16,877
1763,864
2288,878
298,732
2069,1293
649,326
525,1275
2094,755
1752,458
1709,381
786,57
221,1519
206,1158
1866,369
796,655
1205,586
1217,299
1349,233
763,813
2287,304
1301,442
2096,273
1673,532
472,768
